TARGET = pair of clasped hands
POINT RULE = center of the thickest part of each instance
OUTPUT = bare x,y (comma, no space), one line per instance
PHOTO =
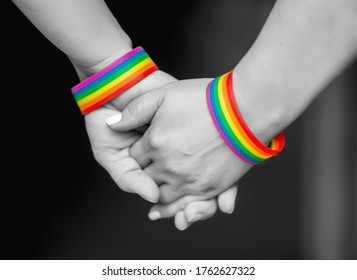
158,140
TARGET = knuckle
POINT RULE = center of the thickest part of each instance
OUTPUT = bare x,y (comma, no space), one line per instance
173,167
157,140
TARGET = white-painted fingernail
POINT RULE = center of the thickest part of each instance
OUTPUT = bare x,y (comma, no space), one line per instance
114,119
154,215
195,218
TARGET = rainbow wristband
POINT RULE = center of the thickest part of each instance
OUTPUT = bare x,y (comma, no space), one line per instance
231,126
113,80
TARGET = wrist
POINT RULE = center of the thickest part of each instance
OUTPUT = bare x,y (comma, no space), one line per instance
102,56
263,115
116,76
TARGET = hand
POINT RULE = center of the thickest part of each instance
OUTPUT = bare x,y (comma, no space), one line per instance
181,150
111,150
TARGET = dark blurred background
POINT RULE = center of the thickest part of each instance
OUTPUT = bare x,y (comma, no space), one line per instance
58,203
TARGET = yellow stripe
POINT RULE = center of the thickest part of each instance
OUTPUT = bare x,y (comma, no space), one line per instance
237,131
136,68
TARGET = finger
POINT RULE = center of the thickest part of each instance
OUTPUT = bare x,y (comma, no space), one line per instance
160,211
200,210
129,177
194,212
139,112
226,200
169,193
157,176
140,152
180,221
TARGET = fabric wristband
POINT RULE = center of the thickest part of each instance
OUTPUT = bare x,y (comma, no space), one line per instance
231,126
113,80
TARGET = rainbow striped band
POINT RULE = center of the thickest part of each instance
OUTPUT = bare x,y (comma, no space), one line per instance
113,80
231,126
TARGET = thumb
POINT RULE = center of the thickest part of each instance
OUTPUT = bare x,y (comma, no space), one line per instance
130,178
139,112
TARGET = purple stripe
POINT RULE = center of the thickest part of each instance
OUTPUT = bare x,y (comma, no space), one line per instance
106,69
210,108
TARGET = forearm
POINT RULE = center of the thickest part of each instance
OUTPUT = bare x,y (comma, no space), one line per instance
88,33
85,30
303,46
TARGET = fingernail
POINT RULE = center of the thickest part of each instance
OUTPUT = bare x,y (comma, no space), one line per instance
183,227
194,218
150,199
114,119
154,215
